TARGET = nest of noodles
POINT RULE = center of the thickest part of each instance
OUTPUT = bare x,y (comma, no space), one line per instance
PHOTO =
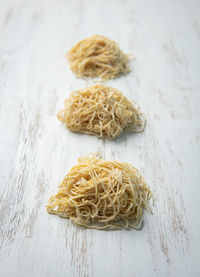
102,194
98,56
102,111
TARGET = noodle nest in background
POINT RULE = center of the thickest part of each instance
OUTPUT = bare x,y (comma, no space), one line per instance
98,56
102,194
102,111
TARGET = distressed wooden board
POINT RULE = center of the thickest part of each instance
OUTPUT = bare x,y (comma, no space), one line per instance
36,151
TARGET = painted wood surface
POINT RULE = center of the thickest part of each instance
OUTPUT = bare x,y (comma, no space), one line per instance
36,151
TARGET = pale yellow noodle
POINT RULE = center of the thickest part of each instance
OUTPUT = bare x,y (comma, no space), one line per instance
98,56
102,111
102,194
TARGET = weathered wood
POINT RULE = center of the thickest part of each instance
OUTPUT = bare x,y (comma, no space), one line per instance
36,151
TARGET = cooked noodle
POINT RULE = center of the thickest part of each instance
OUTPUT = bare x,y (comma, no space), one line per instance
102,194
98,56
102,111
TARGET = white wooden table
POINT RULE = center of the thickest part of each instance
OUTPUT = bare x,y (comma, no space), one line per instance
36,151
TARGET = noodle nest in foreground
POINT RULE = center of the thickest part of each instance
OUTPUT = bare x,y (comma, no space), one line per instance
101,111
102,194
98,56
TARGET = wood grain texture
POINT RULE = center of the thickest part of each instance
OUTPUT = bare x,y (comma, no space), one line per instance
36,151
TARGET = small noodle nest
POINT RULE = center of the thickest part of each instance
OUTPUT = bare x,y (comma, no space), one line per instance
102,194
101,111
98,56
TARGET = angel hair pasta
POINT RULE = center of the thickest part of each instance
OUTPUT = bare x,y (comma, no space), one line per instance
102,111
98,56
102,194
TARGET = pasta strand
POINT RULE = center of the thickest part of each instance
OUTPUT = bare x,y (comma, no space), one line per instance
102,194
98,56
102,111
